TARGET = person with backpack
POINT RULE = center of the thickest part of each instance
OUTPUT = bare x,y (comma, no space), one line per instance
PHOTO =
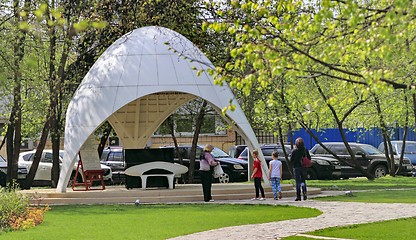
299,171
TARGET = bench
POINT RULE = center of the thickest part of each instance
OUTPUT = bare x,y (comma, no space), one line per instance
141,169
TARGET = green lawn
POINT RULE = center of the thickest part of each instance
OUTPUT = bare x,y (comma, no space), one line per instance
376,196
387,182
165,221
383,190
150,221
387,230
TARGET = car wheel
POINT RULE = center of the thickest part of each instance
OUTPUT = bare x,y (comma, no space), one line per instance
380,171
224,178
311,174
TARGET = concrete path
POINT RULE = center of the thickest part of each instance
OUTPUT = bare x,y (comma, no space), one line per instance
334,214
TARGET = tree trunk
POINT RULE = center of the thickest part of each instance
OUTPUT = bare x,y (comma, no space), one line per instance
286,154
339,121
57,96
14,135
2,143
104,138
287,112
414,106
386,138
9,149
38,154
404,135
171,126
55,137
53,100
198,125
402,150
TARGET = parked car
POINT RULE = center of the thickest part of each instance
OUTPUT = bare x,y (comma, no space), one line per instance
113,157
369,157
43,174
322,167
234,169
21,172
236,150
409,151
267,151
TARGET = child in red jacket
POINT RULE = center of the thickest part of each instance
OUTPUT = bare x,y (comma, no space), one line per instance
257,176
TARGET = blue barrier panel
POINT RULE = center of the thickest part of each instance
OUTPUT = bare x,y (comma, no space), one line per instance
369,136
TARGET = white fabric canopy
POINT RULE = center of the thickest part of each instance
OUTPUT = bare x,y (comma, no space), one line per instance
136,84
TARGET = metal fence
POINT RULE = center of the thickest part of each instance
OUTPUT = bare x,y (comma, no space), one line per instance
263,137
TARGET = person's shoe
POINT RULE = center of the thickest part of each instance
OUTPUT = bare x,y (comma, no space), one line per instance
297,199
262,199
280,195
254,199
275,198
212,200
305,197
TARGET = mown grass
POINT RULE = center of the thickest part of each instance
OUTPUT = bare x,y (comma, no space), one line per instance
150,221
387,230
388,182
382,190
375,196
165,221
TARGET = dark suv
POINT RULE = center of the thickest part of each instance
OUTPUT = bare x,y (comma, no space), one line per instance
409,151
369,157
322,167
235,170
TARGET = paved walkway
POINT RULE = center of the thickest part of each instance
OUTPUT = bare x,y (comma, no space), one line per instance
334,214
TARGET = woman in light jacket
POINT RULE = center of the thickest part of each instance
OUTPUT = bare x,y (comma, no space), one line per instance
206,172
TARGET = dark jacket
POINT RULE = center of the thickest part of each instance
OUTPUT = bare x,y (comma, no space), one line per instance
297,155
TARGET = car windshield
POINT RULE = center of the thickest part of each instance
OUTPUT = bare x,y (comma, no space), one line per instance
370,150
409,149
243,153
27,156
218,153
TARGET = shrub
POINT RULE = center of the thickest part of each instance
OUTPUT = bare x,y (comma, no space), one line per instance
12,205
15,212
32,217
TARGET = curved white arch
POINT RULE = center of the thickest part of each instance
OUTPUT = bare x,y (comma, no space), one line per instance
135,84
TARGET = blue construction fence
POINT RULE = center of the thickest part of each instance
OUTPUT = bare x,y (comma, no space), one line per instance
371,136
